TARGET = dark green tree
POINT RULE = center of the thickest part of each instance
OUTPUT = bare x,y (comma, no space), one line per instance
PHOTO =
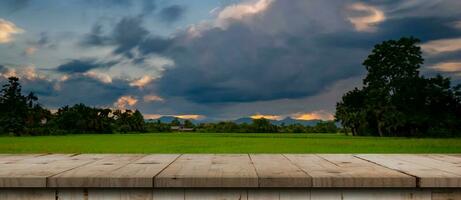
396,100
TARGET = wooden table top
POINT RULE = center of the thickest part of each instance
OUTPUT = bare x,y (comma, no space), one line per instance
230,171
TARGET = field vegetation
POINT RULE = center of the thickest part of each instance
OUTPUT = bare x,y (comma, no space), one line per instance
226,143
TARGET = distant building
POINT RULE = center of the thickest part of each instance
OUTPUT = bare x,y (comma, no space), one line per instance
181,128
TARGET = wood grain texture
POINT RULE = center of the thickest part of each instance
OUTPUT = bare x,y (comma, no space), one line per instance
263,194
347,171
450,167
215,194
446,158
168,194
27,194
96,174
140,173
447,195
33,172
431,177
230,171
227,170
11,158
274,170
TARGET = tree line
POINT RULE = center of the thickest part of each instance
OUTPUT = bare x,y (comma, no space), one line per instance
23,115
260,125
396,100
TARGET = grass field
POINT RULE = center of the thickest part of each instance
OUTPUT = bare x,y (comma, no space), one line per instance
224,143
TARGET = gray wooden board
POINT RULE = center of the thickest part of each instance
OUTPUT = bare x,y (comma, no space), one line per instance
33,172
427,176
206,170
347,171
274,170
95,174
11,158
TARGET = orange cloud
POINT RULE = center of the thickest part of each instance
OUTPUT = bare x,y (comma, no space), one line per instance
105,78
152,116
30,51
190,117
7,30
448,67
366,23
194,117
141,82
441,46
270,117
322,115
152,98
124,101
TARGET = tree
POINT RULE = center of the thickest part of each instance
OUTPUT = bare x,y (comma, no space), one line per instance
175,122
13,107
188,124
396,101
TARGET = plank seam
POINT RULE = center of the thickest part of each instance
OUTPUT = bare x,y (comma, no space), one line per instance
256,171
417,179
153,178
328,160
48,177
311,177
422,164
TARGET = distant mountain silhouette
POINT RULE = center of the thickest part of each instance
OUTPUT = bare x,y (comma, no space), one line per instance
248,120
286,121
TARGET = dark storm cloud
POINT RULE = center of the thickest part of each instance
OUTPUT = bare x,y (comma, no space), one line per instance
96,37
83,65
127,35
148,6
293,49
78,88
82,89
3,69
172,13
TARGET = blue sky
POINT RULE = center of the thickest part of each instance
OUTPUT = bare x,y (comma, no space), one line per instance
213,59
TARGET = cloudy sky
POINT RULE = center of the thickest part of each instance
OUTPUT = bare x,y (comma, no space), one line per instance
214,59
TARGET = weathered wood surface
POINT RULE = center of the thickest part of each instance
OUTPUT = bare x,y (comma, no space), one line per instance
348,171
275,170
229,194
227,170
429,172
230,171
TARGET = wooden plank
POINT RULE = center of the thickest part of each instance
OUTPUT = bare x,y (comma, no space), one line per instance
427,176
33,172
263,194
431,162
326,194
295,194
120,194
274,170
334,171
383,194
215,194
95,174
446,158
168,194
447,195
27,194
227,170
45,159
140,173
71,194
11,158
